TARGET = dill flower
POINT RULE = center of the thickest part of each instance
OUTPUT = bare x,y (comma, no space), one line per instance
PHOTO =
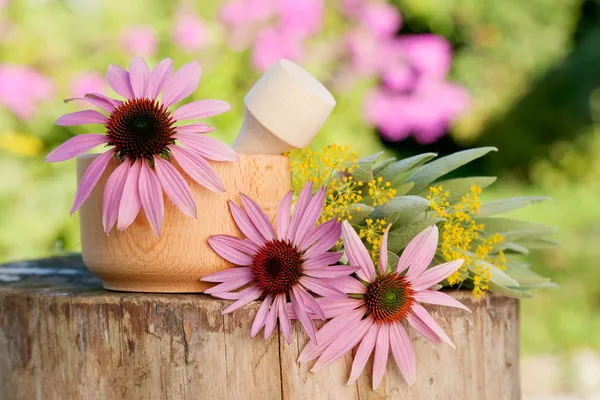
463,238
380,192
343,195
373,235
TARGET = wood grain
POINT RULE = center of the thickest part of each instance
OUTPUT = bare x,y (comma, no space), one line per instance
136,260
63,337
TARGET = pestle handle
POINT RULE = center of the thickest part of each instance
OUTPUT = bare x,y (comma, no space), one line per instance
284,111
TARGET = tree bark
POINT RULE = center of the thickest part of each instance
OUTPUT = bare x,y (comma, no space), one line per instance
63,337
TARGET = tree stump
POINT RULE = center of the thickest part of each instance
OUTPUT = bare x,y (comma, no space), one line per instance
63,337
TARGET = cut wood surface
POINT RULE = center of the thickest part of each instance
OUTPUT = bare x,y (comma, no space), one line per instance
64,337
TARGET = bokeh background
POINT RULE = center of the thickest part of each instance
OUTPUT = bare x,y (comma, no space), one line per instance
410,76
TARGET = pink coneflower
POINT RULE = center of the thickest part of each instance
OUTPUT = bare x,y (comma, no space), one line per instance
292,262
142,133
379,302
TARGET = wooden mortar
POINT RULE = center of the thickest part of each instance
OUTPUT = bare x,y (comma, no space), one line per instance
136,260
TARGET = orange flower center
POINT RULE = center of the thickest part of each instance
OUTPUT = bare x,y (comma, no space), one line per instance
389,298
140,128
277,266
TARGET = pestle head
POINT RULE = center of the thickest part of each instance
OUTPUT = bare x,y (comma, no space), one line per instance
285,109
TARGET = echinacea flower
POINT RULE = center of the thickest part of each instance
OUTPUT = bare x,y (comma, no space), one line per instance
144,136
380,301
291,262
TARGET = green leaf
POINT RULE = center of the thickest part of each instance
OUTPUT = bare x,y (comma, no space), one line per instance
399,238
392,261
440,167
511,246
539,243
518,293
401,210
364,170
506,205
502,225
403,188
359,216
497,275
395,171
382,165
522,274
460,186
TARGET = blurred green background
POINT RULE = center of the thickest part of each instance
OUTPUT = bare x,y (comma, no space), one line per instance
521,76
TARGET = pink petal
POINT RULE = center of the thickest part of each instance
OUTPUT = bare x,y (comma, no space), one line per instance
105,103
221,246
228,274
310,216
435,275
418,253
91,176
309,302
158,77
363,353
207,147
336,271
423,329
151,197
357,253
348,284
130,201
381,354
343,343
175,186
383,252
231,284
282,220
197,168
245,246
271,320
301,204
439,298
332,307
301,313
284,319
321,260
258,217
113,191
138,77
322,238
249,294
75,146
245,225
194,128
328,334
428,320
82,118
201,109
261,316
403,352
226,295
183,83
319,287
118,79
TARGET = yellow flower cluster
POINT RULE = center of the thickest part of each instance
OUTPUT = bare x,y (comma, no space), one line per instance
319,168
380,192
342,196
373,234
461,237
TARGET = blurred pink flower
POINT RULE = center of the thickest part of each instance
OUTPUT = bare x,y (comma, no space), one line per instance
139,40
352,8
425,112
301,17
22,88
399,76
190,33
87,82
367,54
272,45
429,55
382,19
246,12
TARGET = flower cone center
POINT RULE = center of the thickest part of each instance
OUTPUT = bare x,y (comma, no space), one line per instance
140,128
389,298
277,266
